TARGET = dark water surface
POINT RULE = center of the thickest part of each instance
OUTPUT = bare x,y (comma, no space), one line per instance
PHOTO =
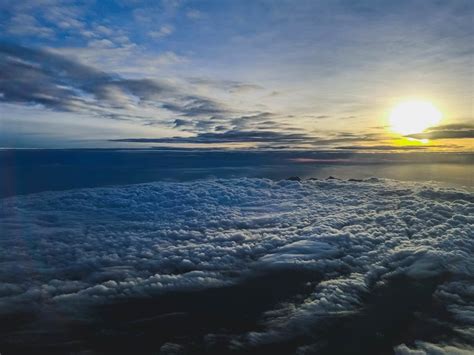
28,171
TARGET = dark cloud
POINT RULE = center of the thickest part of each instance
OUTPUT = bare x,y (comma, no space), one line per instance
180,122
262,121
228,137
251,120
444,135
453,126
192,106
348,138
267,136
36,76
383,147
450,131
231,86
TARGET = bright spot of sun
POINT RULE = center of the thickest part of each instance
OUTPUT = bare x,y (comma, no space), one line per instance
412,117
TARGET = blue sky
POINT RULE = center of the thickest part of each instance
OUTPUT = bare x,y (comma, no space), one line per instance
312,74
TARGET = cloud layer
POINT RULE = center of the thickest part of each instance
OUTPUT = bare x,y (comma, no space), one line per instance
41,77
64,252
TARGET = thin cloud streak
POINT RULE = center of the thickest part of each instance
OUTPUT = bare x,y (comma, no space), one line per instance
450,131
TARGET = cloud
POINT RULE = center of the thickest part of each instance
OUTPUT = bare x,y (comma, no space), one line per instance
100,43
168,58
343,243
27,25
232,86
450,131
35,76
164,31
247,129
387,147
453,126
424,348
444,135
227,137
43,20
241,87
194,14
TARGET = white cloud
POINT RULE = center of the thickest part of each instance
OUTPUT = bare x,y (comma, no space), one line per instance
90,246
164,31
27,25
100,43
194,14
104,30
423,348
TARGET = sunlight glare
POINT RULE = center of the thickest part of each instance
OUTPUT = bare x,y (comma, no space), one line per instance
413,117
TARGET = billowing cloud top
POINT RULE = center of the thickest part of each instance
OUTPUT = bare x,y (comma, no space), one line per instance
344,247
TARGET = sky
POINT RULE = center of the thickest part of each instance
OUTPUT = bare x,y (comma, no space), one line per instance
260,74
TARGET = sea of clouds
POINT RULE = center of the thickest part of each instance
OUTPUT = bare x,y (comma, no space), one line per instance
70,250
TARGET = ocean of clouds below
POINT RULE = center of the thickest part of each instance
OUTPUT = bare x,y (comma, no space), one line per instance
74,249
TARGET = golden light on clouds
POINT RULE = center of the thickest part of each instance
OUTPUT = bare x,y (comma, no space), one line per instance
411,142
411,117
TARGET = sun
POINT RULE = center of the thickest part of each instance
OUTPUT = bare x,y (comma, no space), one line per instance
413,117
